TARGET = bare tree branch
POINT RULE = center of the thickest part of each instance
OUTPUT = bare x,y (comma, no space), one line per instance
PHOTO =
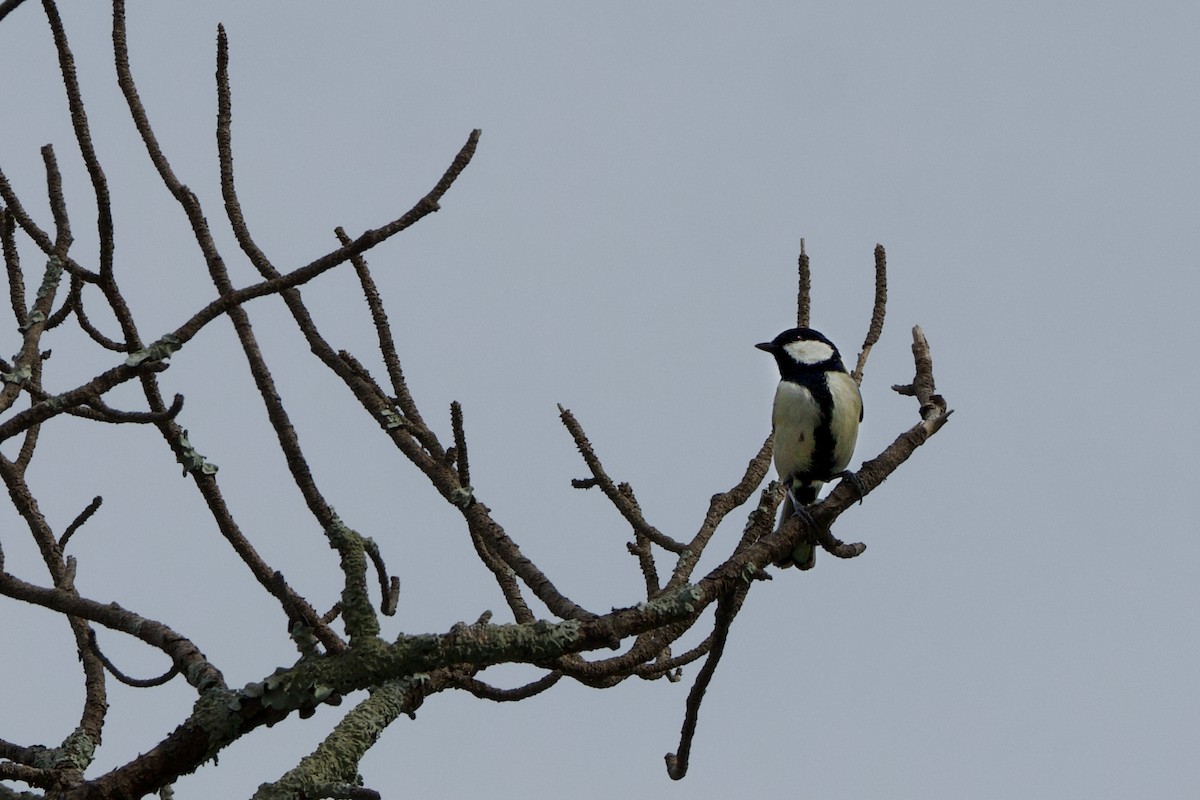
485,692
877,313
803,289
727,607
79,122
8,6
620,496
637,639
78,522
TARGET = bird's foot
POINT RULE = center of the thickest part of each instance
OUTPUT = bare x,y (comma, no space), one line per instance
853,479
804,556
805,515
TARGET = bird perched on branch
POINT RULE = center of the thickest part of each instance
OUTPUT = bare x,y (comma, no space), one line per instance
815,420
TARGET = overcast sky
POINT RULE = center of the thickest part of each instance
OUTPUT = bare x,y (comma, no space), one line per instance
1024,621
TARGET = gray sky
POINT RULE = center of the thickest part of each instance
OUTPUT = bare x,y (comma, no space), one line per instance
1024,621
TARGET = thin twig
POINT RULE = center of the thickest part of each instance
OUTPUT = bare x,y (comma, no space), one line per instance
504,575
104,413
494,540
389,588
803,289
8,6
83,137
640,549
460,446
12,263
719,507
60,403
58,203
623,500
92,331
79,520
64,311
486,691
877,313
728,604
301,275
137,683
61,571
34,232
198,671
31,384
383,332
645,648
669,663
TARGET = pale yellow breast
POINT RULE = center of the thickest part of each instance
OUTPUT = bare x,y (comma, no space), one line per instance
845,428
795,417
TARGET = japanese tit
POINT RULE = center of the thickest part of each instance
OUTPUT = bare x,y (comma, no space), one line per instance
815,421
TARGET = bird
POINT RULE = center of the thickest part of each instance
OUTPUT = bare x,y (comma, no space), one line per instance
815,419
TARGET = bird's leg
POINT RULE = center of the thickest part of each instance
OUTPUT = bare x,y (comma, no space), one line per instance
803,555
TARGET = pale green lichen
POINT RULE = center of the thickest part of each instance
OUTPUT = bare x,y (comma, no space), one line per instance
19,375
35,318
486,644
78,750
357,613
200,675
333,766
191,460
285,689
679,603
305,639
54,271
211,714
462,497
157,351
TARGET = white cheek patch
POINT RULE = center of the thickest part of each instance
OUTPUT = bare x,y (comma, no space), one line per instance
808,351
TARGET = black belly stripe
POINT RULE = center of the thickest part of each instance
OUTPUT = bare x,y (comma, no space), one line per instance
822,464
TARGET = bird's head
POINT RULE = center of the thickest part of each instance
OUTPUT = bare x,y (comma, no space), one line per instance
802,350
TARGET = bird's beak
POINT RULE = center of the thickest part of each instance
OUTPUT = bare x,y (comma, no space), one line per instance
767,346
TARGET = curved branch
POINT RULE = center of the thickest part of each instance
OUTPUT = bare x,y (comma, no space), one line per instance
186,657
389,587
486,691
93,332
106,414
137,683
9,6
